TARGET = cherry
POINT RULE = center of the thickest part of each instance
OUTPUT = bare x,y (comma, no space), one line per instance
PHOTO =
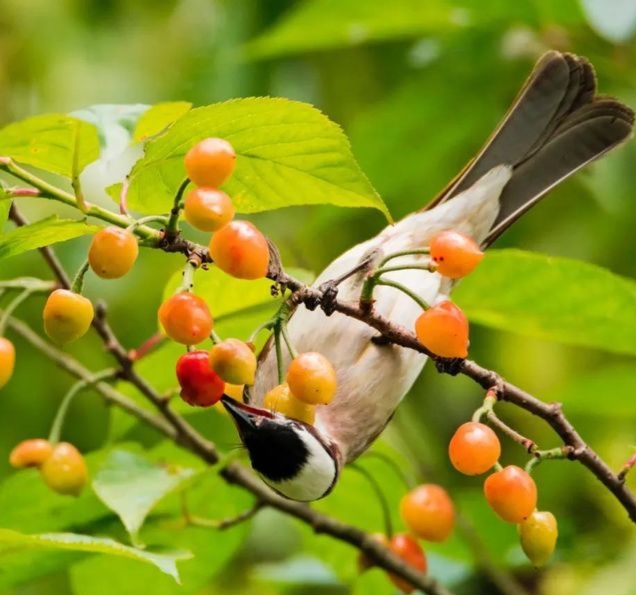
64,471
207,209
538,535
113,252
7,360
474,448
231,390
67,316
410,551
30,453
511,493
281,400
210,162
443,330
200,385
312,378
428,512
240,250
456,254
185,318
234,361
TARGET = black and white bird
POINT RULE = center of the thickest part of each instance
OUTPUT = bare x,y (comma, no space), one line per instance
556,125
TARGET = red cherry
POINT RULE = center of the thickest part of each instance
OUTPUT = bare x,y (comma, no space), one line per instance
511,493
410,551
474,448
200,385
443,330
456,254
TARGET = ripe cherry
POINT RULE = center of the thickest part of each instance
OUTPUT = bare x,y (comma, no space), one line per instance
312,378
64,471
7,360
210,162
67,316
231,390
207,209
428,512
443,330
511,493
30,453
281,400
113,252
234,361
538,535
240,250
456,254
410,551
185,318
474,448
200,385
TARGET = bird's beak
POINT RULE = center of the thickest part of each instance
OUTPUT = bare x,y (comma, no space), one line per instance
245,416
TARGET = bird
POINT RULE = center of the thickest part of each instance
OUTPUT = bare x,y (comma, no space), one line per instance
556,125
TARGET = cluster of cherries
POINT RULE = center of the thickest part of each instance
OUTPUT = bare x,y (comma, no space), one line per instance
242,251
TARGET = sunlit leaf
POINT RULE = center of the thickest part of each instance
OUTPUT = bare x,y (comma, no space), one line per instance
557,299
288,153
43,233
131,485
159,117
13,542
49,142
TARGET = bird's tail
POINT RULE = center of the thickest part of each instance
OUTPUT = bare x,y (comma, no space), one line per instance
556,125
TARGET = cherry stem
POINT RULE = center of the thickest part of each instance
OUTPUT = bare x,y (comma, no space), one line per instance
375,486
220,524
538,456
78,387
146,347
78,281
17,300
187,283
279,353
215,338
163,219
416,298
402,253
409,482
288,343
123,197
172,227
625,469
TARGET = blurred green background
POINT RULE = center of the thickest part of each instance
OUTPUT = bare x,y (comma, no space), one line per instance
417,86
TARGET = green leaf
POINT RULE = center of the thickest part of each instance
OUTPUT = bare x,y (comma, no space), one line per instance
288,153
328,24
131,485
556,299
5,206
158,118
49,142
14,542
43,233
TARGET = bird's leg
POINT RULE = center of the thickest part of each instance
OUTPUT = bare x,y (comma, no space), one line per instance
449,365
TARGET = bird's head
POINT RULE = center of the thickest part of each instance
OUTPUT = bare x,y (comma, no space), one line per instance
290,456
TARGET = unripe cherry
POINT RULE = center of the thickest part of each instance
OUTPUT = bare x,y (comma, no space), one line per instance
64,471
7,360
409,550
210,162
511,493
312,378
281,400
455,254
240,250
443,330
113,252
538,535
67,316
234,361
200,385
30,453
428,512
207,209
474,448
185,318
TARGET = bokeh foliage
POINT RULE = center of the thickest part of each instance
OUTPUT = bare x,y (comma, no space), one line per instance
416,85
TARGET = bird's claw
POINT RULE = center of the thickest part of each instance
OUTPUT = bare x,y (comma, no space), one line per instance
449,365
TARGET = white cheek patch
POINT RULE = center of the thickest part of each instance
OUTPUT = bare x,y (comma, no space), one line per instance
315,478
